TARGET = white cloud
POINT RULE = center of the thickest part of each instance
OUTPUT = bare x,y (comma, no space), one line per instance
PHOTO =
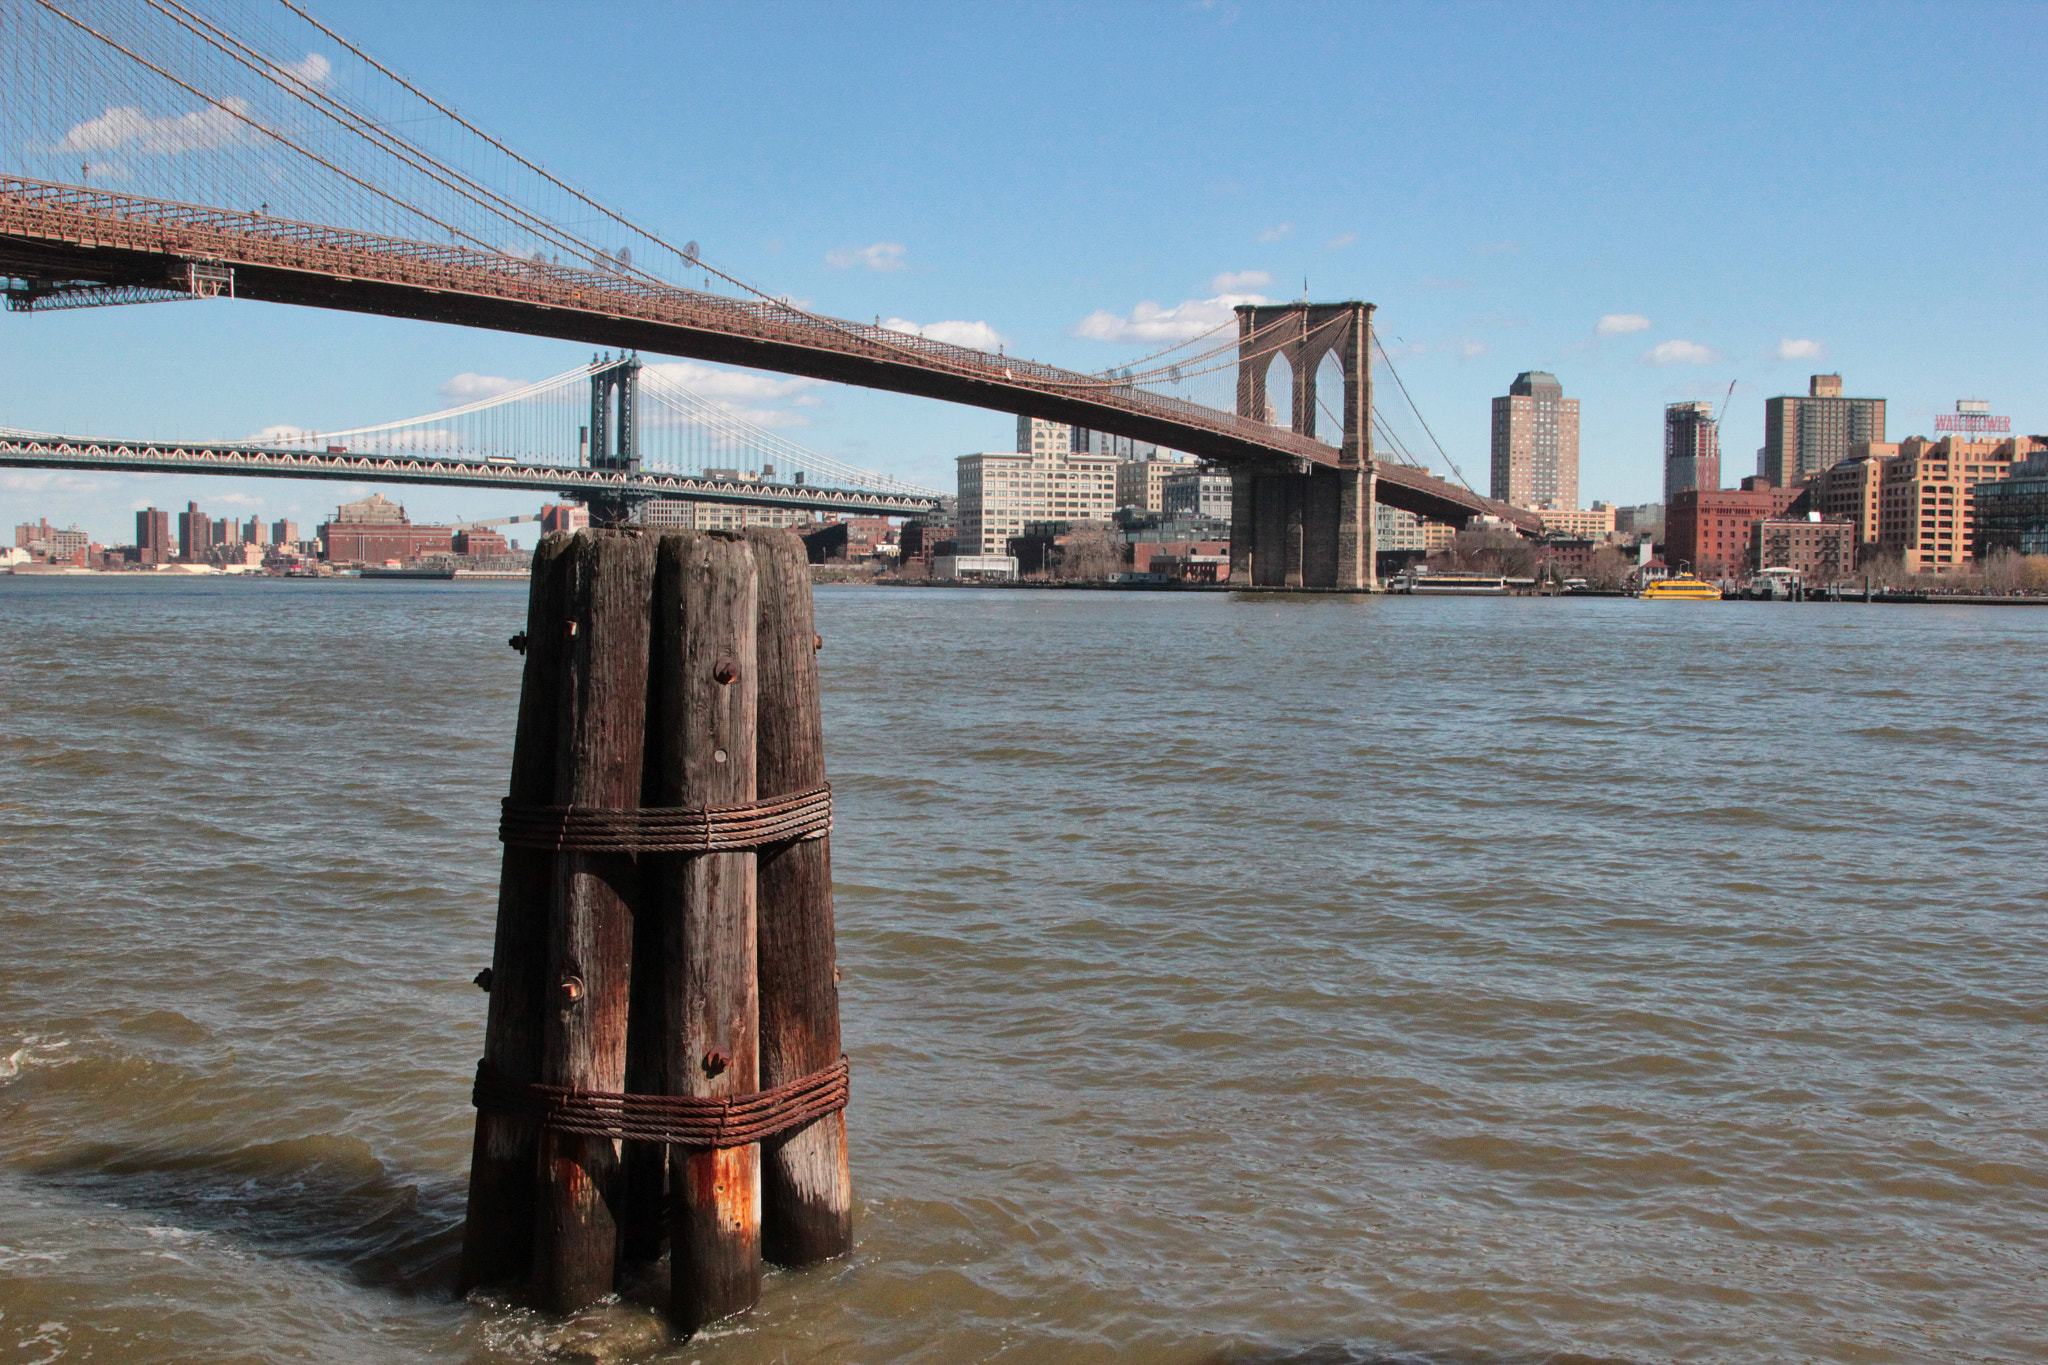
978,335
314,70
1620,324
1150,322
1274,234
282,431
1342,239
1237,281
1677,352
468,386
1468,348
126,128
879,256
1797,348
746,394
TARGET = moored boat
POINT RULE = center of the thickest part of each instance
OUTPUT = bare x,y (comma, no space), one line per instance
1683,587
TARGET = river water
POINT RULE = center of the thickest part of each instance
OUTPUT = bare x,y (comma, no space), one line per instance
1228,981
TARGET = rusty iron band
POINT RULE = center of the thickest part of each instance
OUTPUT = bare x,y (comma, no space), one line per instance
675,1119
670,829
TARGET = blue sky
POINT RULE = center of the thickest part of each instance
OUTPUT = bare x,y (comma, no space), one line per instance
1746,193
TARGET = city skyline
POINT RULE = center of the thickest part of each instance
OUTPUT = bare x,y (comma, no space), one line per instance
1607,276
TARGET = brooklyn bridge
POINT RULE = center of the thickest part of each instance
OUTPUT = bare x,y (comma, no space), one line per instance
373,197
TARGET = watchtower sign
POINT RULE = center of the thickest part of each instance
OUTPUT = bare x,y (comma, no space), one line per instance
1973,417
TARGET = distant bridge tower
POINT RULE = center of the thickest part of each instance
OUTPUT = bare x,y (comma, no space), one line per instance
609,443
1299,525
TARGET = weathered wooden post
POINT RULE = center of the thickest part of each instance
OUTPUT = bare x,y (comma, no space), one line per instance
601,745
705,676
497,1240
658,913
807,1186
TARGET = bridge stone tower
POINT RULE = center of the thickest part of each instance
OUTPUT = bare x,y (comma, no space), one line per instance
1297,524
609,441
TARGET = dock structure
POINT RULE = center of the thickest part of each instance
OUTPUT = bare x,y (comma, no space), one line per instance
661,1068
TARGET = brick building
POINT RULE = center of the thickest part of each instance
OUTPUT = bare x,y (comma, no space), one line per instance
153,544
1847,491
1710,529
376,530
1819,549
1926,508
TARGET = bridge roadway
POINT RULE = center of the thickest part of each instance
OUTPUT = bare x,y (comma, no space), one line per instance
52,232
44,451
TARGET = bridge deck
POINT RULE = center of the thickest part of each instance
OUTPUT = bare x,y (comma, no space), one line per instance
67,232
45,451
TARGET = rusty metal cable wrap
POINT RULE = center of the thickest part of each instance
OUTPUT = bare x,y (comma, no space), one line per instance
670,829
676,1119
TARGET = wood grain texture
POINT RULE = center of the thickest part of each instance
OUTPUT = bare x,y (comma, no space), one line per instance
706,684
600,757
807,1184
497,1237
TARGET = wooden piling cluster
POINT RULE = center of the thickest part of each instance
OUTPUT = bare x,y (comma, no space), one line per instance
663,979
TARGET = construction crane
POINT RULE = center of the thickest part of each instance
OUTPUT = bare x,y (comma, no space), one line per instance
1722,411
489,522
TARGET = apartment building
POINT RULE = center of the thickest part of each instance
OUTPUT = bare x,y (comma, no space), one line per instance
1536,443
1803,436
1926,498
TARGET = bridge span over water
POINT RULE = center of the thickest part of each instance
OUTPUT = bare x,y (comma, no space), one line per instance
256,122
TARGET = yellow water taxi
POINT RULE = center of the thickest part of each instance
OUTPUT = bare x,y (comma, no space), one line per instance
1683,587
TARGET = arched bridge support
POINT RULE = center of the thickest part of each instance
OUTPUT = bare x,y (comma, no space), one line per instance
1304,525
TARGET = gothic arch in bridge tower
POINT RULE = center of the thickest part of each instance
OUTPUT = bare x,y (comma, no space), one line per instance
1295,524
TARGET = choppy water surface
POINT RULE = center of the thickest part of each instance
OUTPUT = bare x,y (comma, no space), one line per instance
1318,980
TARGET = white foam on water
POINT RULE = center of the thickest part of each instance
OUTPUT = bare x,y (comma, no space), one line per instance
34,1051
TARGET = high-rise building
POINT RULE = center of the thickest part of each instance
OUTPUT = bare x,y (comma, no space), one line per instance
195,534
1692,449
1536,443
1803,436
284,532
153,537
1000,491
